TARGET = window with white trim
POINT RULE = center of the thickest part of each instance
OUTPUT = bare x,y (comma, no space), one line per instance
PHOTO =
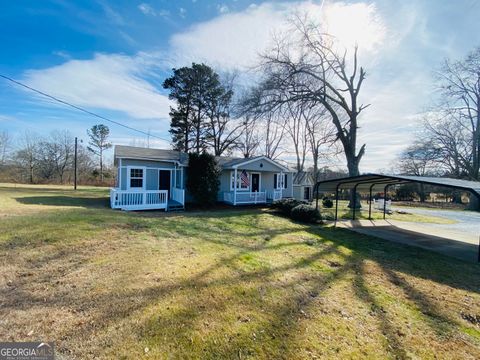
240,186
279,182
136,178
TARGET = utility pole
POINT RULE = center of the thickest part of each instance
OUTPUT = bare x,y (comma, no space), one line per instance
75,166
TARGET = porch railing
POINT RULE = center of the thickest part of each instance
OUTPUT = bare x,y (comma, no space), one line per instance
138,200
243,197
178,195
275,195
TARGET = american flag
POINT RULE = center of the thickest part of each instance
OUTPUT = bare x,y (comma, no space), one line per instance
244,179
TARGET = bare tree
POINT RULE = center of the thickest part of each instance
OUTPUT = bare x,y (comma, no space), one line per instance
452,141
27,154
248,142
272,126
320,135
63,146
296,128
306,66
262,103
223,130
420,159
460,88
5,143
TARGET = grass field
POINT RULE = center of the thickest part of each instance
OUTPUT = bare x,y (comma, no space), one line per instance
345,213
232,284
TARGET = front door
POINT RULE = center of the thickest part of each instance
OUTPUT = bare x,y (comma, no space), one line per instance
164,180
255,182
306,193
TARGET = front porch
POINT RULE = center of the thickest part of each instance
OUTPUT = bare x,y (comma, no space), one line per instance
131,200
247,197
254,184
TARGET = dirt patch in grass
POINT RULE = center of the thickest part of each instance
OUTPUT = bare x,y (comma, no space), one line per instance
110,284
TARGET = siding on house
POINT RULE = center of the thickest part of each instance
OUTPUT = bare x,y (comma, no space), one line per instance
151,176
154,159
266,181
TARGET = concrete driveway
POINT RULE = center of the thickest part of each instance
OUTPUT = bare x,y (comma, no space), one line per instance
460,241
467,222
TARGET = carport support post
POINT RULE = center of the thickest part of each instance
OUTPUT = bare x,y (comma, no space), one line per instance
354,200
336,204
385,201
478,249
370,203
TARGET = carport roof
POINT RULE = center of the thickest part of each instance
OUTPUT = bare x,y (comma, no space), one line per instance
379,181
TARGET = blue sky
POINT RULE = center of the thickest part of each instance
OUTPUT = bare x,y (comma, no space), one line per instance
111,57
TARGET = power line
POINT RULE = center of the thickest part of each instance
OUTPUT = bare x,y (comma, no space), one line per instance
148,134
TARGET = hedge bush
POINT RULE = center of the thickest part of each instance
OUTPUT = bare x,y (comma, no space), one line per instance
327,203
305,213
203,180
285,206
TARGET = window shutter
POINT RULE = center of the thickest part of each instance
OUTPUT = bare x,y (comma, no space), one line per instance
274,181
285,181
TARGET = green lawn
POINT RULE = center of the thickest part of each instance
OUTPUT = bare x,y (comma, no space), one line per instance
230,284
345,213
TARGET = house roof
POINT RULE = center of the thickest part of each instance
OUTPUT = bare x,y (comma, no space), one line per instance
231,162
303,178
133,152
225,162
228,161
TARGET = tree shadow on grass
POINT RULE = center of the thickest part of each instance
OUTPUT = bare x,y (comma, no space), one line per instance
385,324
193,295
407,259
65,201
110,309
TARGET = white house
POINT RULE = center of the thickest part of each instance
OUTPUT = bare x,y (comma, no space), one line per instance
156,178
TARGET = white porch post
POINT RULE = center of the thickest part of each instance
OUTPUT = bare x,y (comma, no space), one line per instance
282,182
181,178
235,187
175,177
120,175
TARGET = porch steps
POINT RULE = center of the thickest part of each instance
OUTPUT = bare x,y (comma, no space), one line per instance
175,206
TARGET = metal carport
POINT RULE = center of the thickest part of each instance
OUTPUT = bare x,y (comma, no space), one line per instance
381,182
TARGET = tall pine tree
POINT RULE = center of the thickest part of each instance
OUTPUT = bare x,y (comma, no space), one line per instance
193,89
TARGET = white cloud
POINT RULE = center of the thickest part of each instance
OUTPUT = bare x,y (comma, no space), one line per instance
7,118
230,40
182,12
112,82
223,8
148,10
355,24
235,39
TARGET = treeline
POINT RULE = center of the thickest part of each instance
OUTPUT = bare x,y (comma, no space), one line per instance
448,141
31,158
